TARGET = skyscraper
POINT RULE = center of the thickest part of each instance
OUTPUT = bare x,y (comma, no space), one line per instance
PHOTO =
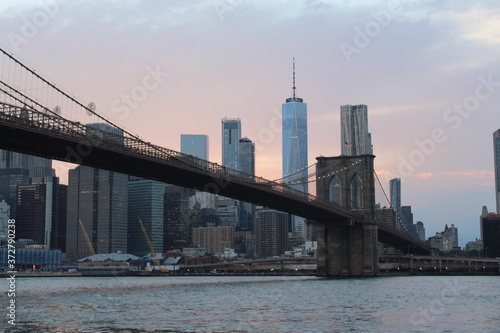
294,148
231,135
490,233
246,156
195,144
395,193
270,232
355,138
37,166
18,169
177,225
294,141
496,152
202,203
246,161
419,227
145,202
41,212
97,198
9,179
37,207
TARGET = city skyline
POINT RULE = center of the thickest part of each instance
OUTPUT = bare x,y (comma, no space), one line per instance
427,71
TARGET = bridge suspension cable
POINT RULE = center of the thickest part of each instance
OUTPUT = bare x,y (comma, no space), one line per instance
398,218
295,173
304,180
22,87
60,101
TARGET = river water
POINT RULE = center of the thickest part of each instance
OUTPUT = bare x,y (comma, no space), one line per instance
255,304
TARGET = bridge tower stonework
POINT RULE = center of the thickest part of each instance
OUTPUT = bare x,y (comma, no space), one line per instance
347,247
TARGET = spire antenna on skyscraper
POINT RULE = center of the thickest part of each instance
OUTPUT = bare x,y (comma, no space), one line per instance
294,97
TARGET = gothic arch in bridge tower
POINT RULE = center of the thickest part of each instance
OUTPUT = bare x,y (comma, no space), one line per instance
356,187
335,191
348,181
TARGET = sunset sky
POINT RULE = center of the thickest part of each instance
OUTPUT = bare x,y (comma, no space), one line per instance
428,71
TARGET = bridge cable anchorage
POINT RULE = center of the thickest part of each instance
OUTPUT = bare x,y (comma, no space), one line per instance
399,222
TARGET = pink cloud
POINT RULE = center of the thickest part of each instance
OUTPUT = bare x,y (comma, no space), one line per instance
474,173
424,175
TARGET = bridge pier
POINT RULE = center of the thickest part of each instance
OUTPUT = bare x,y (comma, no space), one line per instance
347,247
347,250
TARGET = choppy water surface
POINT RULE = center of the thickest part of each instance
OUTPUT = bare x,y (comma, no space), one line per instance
256,304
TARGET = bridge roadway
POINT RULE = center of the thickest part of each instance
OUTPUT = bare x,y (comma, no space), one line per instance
46,134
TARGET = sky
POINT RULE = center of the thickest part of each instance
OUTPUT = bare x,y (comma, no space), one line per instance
427,70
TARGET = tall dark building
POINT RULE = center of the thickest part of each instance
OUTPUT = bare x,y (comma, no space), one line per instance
59,228
490,233
38,166
97,205
145,202
39,213
97,198
496,155
406,215
395,193
246,161
9,180
177,222
16,169
407,220
270,232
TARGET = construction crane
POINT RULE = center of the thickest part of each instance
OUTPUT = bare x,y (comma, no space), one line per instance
87,239
153,253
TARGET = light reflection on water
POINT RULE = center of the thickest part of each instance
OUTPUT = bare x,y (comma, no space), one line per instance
258,304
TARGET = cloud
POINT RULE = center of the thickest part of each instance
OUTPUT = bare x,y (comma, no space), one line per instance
475,173
424,175
479,24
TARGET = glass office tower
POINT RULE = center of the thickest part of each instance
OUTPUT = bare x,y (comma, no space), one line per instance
294,141
294,150
195,144
231,135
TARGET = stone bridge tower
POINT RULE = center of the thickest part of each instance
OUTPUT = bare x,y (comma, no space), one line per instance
347,247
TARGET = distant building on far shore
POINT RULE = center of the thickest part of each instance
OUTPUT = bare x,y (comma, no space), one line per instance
490,233
476,245
446,240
